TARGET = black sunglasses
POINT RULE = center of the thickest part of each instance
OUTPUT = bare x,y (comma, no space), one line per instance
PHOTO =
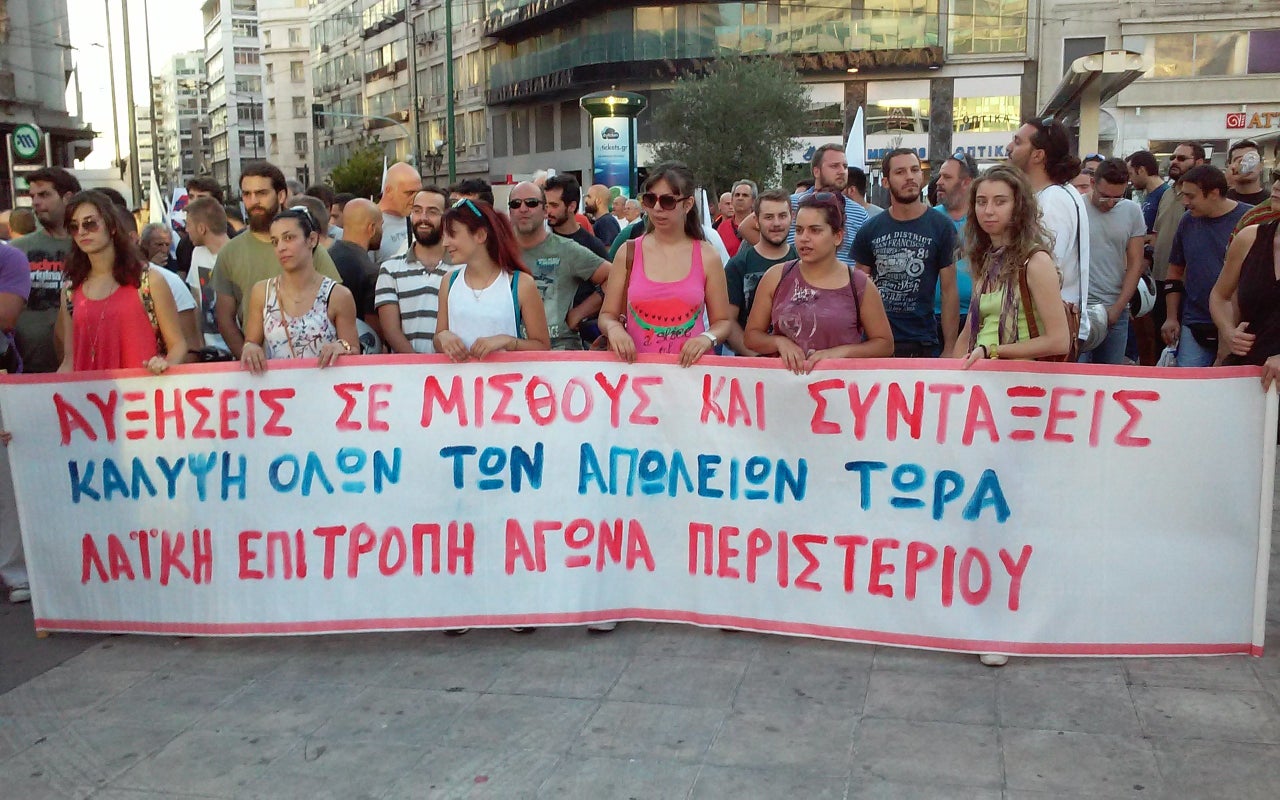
528,202
666,201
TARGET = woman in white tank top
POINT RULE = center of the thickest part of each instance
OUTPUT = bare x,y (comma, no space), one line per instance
492,303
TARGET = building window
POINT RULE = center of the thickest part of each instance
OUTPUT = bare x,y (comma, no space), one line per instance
570,125
271,78
545,128
1264,51
297,72
986,114
437,80
299,107
500,135
246,55
1185,55
1078,47
477,127
987,26
295,37
520,132
300,143
460,138
266,40
244,27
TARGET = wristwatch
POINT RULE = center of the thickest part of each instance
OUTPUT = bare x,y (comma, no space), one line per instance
712,337
994,351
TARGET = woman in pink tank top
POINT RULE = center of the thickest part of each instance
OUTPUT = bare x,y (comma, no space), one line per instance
818,307
661,299
116,313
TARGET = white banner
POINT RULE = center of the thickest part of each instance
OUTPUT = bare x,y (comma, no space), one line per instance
1021,508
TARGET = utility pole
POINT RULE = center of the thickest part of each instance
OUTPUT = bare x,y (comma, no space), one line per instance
134,177
448,97
151,94
111,71
413,87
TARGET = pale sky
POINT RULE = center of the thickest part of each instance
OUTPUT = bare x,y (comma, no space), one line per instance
176,26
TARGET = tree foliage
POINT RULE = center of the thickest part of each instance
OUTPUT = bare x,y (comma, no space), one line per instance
361,174
737,121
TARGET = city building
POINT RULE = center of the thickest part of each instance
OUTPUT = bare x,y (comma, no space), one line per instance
233,68
337,80
146,150
285,32
36,67
934,75
473,54
183,149
1209,71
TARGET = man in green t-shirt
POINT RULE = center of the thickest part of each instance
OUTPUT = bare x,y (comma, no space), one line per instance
250,258
750,263
45,249
558,266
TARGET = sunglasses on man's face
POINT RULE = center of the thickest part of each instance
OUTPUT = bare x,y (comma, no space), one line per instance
88,225
666,201
528,202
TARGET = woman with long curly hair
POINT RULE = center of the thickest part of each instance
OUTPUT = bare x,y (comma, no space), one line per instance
117,313
492,302
1016,311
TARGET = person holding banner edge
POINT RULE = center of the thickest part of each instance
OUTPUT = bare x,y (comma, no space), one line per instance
117,312
671,283
299,313
1009,257
817,306
492,307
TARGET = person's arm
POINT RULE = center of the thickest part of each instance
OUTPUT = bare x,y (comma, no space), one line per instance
1046,297
717,305
342,312
1223,305
736,286
1172,328
224,312
1133,272
393,329
64,329
11,306
252,355
757,336
612,310
749,230
171,327
445,340
875,327
950,307
591,305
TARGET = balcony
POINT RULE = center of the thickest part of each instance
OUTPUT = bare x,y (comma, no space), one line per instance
520,16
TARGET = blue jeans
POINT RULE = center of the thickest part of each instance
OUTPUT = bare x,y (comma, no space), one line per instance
1111,351
1191,353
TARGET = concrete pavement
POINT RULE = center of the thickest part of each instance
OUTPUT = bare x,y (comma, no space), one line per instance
649,711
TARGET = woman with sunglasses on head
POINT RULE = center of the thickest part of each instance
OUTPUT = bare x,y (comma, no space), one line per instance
666,285
299,313
818,307
118,313
1016,311
492,303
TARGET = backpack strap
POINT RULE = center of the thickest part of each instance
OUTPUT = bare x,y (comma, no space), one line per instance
515,301
1028,308
149,305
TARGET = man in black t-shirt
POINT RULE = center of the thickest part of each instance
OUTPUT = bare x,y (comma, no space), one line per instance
749,264
563,195
361,233
908,250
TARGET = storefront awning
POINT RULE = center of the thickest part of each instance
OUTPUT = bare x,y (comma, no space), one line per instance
1091,81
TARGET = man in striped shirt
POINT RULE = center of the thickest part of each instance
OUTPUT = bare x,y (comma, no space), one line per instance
407,297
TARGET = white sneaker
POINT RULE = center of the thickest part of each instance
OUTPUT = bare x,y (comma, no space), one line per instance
20,594
602,627
993,659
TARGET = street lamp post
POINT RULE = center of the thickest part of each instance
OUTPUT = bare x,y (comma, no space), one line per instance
448,97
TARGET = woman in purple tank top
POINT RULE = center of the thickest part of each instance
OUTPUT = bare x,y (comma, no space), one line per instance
667,293
817,306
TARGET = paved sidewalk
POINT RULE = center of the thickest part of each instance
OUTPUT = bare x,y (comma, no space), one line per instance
649,711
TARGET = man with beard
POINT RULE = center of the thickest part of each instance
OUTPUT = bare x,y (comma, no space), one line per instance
1041,148
743,198
830,174
408,290
45,250
559,266
908,250
955,179
563,196
250,258
1168,213
749,264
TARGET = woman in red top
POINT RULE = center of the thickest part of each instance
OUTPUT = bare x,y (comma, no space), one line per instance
109,325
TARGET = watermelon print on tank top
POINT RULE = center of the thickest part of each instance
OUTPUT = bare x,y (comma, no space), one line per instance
663,315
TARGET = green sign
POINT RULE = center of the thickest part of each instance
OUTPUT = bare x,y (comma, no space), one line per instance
26,141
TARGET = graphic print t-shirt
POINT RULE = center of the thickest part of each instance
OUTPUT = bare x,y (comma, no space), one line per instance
905,258
743,274
34,331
